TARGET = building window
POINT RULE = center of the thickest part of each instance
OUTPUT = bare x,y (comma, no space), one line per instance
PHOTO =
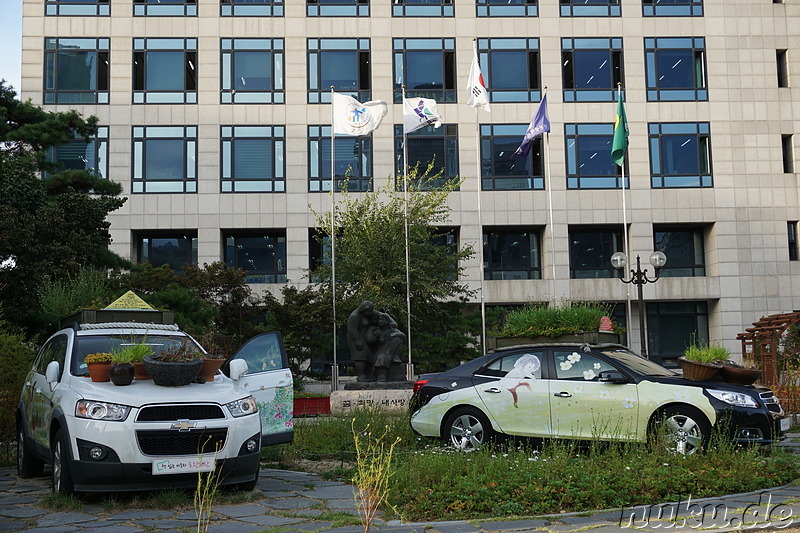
511,253
78,154
787,149
76,71
680,155
251,8
319,251
592,69
791,228
253,159
353,165
261,254
252,71
164,71
589,164
95,8
337,8
500,171
674,326
429,147
590,8
782,58
164,159
343,64
507,8
508,81
427,67
165,8
676,69
684,250
590,251
422,8
175,249
672,8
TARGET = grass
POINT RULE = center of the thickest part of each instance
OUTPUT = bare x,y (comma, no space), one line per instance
542,320
706,353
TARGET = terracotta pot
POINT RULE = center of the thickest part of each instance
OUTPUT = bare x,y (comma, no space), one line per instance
209,369
99,371
121,373
739,376
140,372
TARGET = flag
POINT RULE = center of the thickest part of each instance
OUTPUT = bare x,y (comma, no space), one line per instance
476,87
539,125
621,132
351,117
420,112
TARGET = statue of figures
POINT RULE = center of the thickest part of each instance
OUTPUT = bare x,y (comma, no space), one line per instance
375,342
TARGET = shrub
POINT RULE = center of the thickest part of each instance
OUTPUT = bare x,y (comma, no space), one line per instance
536,320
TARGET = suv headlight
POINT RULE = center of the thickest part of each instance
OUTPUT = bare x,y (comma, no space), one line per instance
245,406
101,411
738,399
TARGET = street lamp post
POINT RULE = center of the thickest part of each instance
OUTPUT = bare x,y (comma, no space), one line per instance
639,278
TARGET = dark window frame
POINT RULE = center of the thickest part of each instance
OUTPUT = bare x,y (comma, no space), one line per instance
251,8
490,179
139,138
145,250
319,92
491,49
570,47
274,136
660,311
423,8
583,8
533,269
507,8
787,153
573,133
782,66
274,237
653,47
660,179
449,135
55,48
99,148
792,240
337,8
602,267
87,8
673,8
274,48
142,48
694,237
403,47
155,8
319,168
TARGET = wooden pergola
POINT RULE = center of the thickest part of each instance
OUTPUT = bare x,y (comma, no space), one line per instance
765,336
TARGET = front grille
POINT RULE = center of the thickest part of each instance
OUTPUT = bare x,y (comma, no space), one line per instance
173,442
772,403
170,413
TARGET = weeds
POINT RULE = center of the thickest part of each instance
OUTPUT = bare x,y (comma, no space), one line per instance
373,470
61,502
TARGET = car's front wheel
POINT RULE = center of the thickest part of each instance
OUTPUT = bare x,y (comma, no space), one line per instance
62,475
468,429
28,465
681,430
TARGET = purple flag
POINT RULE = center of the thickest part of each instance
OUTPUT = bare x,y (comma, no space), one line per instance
539,125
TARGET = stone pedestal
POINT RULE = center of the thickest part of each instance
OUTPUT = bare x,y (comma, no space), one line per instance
392,395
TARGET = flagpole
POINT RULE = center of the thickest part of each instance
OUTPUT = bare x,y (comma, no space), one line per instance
409,367
549,186
480,221
335,367
625,248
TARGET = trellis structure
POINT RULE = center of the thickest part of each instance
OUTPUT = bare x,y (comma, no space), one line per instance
765,335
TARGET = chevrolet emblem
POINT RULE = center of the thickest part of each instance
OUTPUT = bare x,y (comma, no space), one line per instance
183,425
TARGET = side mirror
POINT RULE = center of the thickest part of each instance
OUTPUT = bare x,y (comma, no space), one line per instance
238,368
612,376
51,374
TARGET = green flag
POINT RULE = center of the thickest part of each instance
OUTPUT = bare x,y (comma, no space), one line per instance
620,142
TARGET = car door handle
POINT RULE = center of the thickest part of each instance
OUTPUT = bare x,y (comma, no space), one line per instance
563,395
493,390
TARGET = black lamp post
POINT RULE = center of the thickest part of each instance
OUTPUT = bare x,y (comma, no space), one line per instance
639,278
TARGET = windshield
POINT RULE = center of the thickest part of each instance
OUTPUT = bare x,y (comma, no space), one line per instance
637,363
112,343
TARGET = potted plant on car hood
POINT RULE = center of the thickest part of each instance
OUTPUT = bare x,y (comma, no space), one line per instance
703,361
175,366
97,364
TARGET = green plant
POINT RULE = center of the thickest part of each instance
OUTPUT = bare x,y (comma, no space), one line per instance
131,353
706,353
185,351
373,470
204,494
98,358
535,320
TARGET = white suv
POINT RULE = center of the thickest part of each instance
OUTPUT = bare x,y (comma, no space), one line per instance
103,437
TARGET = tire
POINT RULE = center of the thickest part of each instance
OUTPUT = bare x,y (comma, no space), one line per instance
62,475
28,465
467,429
248,486
681,430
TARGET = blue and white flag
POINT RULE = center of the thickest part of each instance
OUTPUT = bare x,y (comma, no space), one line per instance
351,117
539,125
420,112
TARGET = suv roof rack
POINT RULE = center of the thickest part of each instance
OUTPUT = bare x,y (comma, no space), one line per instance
97,316
131,325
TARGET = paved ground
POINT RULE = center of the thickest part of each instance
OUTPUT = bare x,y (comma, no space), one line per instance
293,501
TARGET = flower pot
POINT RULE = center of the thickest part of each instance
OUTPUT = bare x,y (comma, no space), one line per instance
209,369
697,371
140,372
99,371
739,376
172,373
121,373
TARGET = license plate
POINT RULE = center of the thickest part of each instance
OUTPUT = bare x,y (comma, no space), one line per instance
182,466
784,424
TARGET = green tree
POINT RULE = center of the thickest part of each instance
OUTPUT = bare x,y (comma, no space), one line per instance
370,263
50,228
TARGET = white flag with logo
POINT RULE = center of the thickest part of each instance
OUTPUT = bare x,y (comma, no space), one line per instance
476,87
420,112
351,117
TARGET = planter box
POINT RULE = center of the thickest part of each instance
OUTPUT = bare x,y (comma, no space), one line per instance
312,406
589,337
